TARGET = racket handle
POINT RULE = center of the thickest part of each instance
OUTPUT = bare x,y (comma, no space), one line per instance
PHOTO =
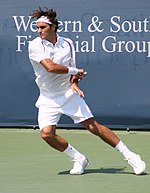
85,73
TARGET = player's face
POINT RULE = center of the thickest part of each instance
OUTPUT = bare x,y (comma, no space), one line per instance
45,30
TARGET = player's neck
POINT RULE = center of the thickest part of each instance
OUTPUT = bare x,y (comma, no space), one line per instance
52,39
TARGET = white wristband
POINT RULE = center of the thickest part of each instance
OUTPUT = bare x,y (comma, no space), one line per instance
72,70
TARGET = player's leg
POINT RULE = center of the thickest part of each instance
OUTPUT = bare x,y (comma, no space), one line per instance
48,117
49,135
110,138
101,131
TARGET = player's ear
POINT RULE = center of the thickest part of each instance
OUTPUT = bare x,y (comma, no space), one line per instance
53,27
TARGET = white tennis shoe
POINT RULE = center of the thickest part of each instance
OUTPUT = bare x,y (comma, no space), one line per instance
137,164
80,163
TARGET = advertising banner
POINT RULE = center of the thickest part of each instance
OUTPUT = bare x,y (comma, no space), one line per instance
112,43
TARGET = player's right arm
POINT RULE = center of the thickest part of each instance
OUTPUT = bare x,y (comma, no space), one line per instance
37,54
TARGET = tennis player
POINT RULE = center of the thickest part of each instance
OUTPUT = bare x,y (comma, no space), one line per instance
53,61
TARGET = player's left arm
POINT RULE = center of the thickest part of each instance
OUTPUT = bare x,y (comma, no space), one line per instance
74,80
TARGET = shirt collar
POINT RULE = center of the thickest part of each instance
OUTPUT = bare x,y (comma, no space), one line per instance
46,42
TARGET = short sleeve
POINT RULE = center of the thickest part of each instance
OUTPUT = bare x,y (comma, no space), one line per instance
36,51
72,51
73,57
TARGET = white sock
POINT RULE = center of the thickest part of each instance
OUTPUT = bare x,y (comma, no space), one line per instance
122,148
71,151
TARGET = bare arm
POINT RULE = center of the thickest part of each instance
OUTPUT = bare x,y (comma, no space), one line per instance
52,67
74,80
60,69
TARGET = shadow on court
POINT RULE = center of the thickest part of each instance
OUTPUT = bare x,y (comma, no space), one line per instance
103,171
100,170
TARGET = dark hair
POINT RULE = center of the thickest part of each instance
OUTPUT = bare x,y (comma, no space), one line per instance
49,13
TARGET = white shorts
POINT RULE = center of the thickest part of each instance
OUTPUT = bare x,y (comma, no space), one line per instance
70,104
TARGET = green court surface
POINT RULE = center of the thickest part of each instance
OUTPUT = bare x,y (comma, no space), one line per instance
28,165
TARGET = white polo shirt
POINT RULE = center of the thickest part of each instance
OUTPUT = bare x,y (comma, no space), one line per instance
63,53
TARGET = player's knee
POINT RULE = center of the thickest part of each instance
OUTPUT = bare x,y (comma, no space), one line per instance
91,125
47,136
94,130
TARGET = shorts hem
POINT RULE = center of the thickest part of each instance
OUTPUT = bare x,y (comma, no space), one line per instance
86,118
